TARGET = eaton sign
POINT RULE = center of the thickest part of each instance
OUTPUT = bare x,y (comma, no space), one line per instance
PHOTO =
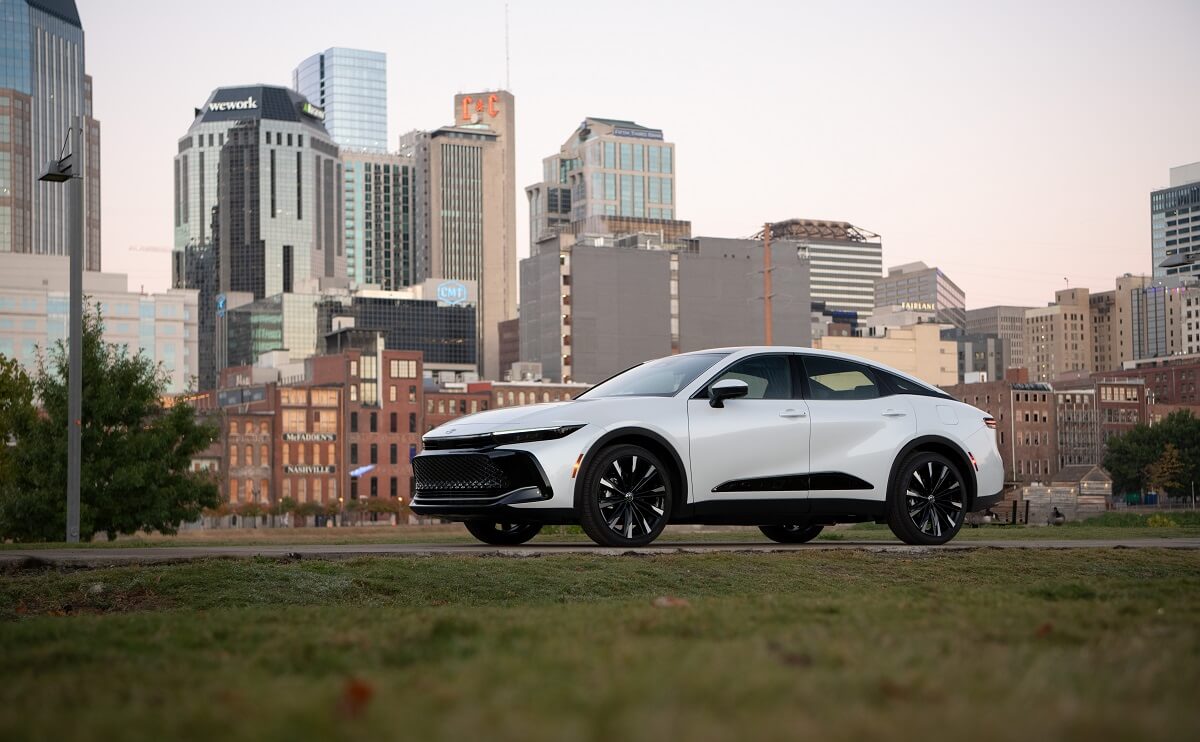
452,293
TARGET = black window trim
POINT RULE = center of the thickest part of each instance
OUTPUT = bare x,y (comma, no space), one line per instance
702,391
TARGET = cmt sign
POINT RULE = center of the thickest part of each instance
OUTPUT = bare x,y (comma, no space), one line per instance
472,106
451,293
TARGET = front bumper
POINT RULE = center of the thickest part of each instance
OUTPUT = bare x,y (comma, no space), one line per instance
484,484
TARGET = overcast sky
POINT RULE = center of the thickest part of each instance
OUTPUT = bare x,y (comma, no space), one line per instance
1012,144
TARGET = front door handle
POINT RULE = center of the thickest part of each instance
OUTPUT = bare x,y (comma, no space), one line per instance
793,413
894,413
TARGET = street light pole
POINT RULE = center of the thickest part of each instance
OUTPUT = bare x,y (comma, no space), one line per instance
69,168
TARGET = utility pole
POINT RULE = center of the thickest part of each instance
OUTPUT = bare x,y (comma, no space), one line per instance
75,362
768,320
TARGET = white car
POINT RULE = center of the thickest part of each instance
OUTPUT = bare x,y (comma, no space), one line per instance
787,439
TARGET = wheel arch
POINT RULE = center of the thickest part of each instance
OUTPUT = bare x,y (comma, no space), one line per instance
651,441
941,445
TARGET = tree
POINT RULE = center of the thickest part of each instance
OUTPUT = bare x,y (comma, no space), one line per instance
135,472
17,413
1163,474
1129,456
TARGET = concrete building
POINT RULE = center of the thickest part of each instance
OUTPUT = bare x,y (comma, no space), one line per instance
1142,317
980,357
466,209
917,350
895,316
44,85
1175,221
350,87
1058,337
607,167
591,308
845,262
917,286
34,308
1004,322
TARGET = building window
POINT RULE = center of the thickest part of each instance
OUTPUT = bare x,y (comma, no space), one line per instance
393,423
374,454
353,422
374,423
233,456
374,487
394,490
394,454
412,422
412,394
354,454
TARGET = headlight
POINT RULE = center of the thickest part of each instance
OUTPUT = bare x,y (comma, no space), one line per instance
501,438
533,434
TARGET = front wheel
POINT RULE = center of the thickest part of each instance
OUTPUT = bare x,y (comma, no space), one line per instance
929,500
791,534
503,534
625,497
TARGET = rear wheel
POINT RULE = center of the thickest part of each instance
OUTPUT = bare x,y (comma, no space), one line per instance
502,534
626,497
929,500
791,534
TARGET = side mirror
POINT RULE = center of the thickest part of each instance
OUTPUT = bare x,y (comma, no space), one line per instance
726,389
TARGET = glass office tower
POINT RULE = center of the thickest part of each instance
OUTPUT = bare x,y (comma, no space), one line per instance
351,85
43,87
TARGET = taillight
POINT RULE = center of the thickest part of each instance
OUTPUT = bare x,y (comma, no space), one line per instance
990,422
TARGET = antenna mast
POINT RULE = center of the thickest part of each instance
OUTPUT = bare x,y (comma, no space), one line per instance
507,79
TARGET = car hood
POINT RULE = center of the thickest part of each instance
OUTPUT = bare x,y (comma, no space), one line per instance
603,411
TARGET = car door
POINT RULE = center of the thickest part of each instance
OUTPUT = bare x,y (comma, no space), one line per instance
754,447
857,429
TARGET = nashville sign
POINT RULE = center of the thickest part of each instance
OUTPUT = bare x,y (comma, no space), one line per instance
308,469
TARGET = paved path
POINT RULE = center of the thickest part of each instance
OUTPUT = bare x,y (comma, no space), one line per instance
158,555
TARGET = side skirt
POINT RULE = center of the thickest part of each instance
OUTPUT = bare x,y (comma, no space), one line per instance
759,512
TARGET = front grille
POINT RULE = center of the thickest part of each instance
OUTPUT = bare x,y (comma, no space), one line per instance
457,474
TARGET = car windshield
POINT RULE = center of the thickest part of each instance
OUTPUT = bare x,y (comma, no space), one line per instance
661,378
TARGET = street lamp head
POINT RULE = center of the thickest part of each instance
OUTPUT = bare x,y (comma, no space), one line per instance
1180,259
58,171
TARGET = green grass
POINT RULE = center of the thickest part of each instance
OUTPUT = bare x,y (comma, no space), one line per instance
985,645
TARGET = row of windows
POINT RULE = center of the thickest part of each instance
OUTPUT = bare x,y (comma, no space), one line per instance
393,422
373,450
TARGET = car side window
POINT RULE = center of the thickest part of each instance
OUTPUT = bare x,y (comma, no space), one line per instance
768,376
838,379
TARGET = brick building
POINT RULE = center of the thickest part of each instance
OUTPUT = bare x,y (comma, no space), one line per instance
1025,429
1170,381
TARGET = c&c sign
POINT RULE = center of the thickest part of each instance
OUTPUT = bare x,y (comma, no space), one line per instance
487,105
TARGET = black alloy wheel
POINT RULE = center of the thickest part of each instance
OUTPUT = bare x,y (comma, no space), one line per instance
794,534
929,501
503,534
626,497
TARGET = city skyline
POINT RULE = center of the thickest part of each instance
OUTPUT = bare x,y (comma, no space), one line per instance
1011,121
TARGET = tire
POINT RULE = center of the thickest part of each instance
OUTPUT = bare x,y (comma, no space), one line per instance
502,534
928,502
625,498
791,534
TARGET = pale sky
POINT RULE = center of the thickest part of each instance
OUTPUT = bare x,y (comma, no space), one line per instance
1012,144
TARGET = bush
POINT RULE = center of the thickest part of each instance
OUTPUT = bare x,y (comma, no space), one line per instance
1160,521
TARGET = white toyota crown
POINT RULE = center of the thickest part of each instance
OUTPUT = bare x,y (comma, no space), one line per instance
787,439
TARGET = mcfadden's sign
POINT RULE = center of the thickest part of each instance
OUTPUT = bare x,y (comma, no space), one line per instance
233,105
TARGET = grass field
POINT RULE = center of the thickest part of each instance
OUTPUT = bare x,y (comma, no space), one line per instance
1109,526
985,645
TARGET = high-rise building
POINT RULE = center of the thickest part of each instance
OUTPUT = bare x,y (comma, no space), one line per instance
380,202
350,86
1175,221
607,167
845,260
598,305
980,357
34,304
43,87
1004,322
466,209
258,194
1058,337
1142,317
917,286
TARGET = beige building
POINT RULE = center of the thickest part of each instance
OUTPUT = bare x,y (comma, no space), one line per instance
466,221
1058,337
1005,322
1144,317
917,350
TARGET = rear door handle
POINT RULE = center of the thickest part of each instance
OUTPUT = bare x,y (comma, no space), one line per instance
793,413
894,413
